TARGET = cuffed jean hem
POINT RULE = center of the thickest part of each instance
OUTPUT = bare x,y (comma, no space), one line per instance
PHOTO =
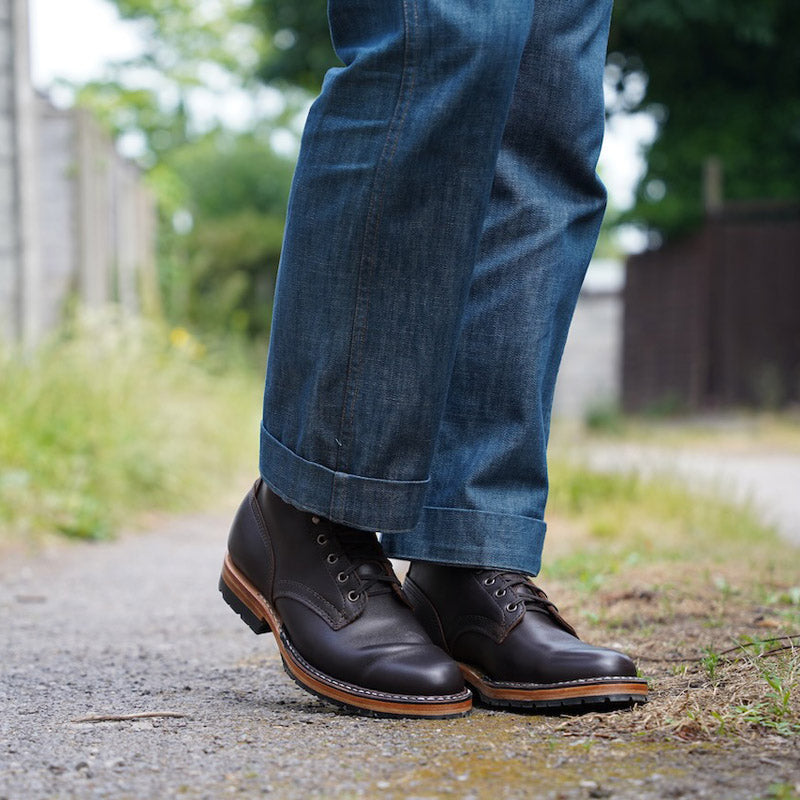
370,504
466,538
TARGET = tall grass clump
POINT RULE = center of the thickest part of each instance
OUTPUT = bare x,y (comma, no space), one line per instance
118,415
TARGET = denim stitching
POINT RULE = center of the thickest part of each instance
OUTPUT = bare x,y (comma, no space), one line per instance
371,229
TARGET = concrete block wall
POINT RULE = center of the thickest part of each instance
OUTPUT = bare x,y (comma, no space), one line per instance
590,374
9,220
75,218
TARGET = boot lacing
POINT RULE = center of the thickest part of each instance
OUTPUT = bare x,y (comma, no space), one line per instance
367,561
520,588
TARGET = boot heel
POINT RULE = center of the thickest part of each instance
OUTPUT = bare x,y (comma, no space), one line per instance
425,613
256,625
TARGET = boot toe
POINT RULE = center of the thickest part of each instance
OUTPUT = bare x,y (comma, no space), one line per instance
610,663
424,671
587,663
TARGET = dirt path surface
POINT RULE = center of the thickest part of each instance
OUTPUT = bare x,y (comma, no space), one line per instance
136,626
770,481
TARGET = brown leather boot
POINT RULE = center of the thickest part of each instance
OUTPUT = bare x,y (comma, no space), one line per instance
513,646
344,629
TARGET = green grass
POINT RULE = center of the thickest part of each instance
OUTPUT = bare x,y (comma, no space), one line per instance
698,587
629,519
736,430
116,416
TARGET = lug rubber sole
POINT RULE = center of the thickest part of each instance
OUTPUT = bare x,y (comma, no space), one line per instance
590,694
261,617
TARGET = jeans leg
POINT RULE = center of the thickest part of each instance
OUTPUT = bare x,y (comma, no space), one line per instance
486,499
385,218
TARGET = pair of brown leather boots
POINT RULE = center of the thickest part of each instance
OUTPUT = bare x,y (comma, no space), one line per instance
349,633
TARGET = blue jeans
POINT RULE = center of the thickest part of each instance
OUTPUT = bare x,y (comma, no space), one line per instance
443,212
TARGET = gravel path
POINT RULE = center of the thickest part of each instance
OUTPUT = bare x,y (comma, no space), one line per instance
136,626
770,482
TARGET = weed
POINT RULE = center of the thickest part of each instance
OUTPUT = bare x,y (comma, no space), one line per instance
722,729
788,597
605,417
724,587
710,662
770,704
783,791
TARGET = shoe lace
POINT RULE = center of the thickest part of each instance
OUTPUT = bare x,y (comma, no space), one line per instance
367,561
521,588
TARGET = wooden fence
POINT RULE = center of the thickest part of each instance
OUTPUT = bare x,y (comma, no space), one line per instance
714,320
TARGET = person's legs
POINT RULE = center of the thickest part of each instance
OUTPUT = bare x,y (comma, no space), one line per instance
385,217
485,502
483,517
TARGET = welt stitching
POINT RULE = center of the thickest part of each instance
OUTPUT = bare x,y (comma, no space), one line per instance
371,228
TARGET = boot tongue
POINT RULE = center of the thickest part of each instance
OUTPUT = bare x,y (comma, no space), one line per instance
374,576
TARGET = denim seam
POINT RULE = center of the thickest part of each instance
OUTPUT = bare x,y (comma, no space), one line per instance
371,229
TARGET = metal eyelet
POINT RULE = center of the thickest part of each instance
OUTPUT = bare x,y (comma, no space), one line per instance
315,520
499,592
341,577
488,581
332,558
322,539
512,607
352,596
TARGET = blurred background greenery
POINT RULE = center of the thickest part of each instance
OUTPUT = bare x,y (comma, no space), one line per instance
720,78
154,412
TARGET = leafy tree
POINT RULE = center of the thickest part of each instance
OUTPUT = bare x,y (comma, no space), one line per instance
301,49
139,113
723,79
221,195
188,48
228,197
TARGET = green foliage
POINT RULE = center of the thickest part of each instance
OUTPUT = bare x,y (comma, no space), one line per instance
117,416
301,49
782,791
633,519
188,46
185,36
125,110
233,261
710,662
221,196
777,711
233,191
723,78
227,174
605,417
